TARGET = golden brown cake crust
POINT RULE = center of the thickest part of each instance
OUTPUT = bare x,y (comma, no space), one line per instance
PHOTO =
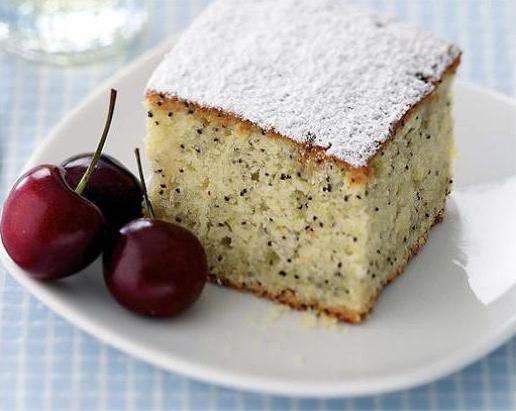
289,297
317,154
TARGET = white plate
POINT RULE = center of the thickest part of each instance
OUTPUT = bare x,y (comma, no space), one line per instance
455,303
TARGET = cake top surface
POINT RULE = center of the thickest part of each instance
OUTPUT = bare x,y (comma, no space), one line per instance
323,71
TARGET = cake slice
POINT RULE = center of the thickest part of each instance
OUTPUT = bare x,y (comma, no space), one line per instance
308,144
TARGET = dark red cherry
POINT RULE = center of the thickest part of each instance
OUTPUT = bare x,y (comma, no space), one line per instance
155,268
111,187
49,230
47,227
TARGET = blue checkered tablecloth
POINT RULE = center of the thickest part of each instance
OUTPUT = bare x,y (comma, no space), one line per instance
46,363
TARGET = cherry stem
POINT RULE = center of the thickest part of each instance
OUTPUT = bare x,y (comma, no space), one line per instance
148,204
91,168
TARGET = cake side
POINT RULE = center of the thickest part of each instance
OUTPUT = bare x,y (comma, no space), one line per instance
411,181
341,313
329,72
290,222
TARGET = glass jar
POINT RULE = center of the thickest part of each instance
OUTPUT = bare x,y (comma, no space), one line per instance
69,31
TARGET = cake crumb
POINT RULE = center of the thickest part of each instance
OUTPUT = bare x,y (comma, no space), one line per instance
311,320
298,360
328,322
251,318
276,311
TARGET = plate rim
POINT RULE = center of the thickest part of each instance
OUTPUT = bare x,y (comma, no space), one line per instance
230,379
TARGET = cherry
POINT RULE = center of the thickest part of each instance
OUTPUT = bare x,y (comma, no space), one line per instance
47,228
112,187
153,267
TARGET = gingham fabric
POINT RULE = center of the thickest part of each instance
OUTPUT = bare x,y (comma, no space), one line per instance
46,363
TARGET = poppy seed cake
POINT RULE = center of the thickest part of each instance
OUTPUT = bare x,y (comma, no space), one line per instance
307,144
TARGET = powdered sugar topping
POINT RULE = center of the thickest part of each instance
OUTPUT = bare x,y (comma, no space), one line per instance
323,69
